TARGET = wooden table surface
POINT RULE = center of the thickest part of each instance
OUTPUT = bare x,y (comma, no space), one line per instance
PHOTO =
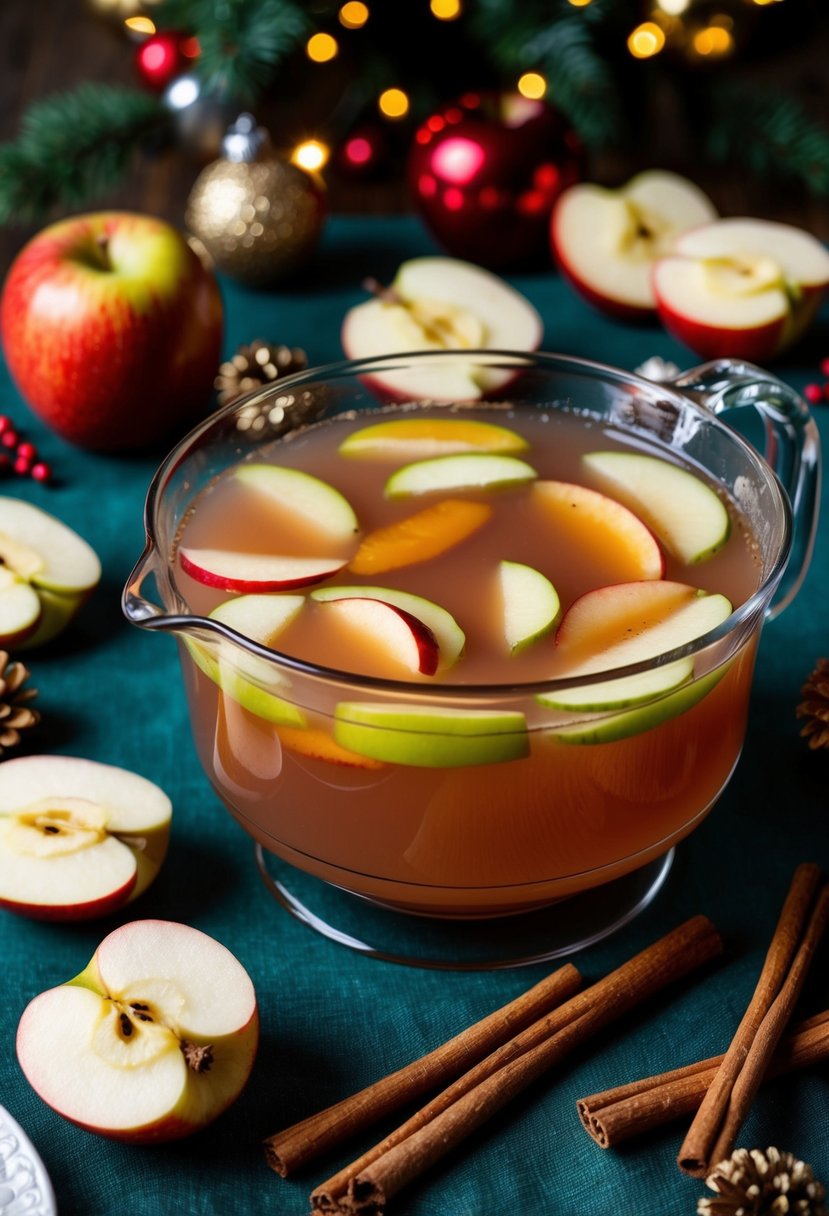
53,45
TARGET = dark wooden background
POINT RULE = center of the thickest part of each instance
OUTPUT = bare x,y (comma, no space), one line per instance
52,45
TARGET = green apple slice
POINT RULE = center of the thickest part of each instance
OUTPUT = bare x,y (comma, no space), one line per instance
530,604
462,471
622,693
416,438
448,633
428,737
686,514
644,717
314,501
245,678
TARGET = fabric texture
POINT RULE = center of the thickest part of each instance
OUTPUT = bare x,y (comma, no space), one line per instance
332,1021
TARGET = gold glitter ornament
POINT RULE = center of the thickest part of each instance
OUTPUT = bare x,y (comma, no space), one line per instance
258,216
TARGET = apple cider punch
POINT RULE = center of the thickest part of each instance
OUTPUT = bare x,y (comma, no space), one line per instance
483,666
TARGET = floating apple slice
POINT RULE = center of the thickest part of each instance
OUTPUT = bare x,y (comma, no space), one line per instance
61,568
403,637
686,514
448,633
419,537
629,623
742,288
606,241
429,737
311,500
530,604
440,303
242,676
592,523
254,573
78,839
151,1042
413,438
464,471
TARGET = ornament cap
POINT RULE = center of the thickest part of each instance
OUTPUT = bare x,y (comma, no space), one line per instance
244,141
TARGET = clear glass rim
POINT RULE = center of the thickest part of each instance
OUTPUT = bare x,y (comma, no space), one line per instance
743,617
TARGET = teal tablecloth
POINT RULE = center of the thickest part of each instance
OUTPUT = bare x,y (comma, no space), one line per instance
333,1021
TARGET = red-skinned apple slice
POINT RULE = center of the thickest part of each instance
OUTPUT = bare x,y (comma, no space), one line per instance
58,565
78,839
446,630
628,623
151,1042
441,303
403,637
623,546
255,573
20,609
529,603
685,513
606,241
463,471
742,288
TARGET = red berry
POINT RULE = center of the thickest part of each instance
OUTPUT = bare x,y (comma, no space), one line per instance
27,451
813,393
5,464
22,465
5,423
41,471
9,438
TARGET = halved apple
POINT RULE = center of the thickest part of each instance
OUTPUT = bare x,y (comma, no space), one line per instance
419,537
529,602
230,570
606,241
430,736
686,514
462,471
448,633
307,497
441,303
416,438
59,566
151,1042
244,677
588,522
401,636
741,288
78,839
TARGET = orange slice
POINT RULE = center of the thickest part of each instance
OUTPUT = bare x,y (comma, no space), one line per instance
320,746
421,536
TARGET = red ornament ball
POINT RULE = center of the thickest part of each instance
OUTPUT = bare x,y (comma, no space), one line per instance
160,59
485,171
364,153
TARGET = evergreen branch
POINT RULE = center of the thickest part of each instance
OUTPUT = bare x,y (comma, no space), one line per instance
560,43
73,146
770,133
242,42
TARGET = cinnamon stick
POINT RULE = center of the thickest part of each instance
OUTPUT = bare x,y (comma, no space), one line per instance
617,1114
367,1184
288,1150
713,1132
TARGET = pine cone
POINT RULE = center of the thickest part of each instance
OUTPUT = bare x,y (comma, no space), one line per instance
752,1183
15,715
255,365
815,706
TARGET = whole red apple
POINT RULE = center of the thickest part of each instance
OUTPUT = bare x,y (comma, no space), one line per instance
112,329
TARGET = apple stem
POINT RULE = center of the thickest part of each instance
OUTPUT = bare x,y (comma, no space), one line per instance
388,295
200,1059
